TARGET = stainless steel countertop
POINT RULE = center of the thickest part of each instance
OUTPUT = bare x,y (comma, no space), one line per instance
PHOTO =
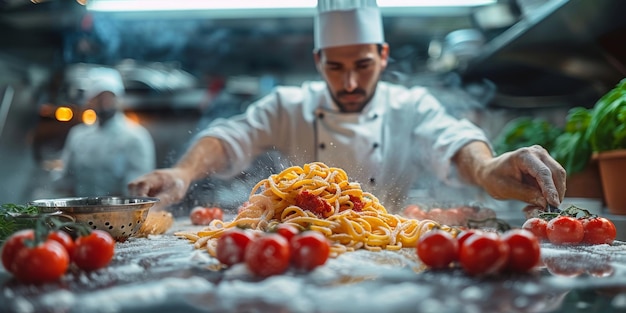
166,274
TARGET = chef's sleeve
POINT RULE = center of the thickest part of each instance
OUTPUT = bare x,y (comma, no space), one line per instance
445,134
247,135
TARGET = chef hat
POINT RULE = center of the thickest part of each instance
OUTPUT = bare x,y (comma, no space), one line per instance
347,22
101,79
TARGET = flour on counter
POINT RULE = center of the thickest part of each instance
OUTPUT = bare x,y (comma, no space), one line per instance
124,298
167,274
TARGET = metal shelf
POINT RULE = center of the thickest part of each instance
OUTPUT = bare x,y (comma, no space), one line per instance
563,47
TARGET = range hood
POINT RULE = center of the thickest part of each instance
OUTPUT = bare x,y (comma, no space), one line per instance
567,52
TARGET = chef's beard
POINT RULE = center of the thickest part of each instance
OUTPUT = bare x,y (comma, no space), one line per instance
351,107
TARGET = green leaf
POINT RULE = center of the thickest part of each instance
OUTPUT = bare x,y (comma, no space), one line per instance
524,132
577,120
9,224
572,151
607,119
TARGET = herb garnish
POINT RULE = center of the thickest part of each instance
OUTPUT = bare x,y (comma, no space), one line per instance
10,221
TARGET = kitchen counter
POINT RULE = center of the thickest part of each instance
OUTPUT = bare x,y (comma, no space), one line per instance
165,273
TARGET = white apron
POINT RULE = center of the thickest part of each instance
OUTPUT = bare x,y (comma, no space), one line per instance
351,142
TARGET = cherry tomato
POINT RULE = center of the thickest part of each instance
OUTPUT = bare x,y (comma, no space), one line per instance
415,212
463,235
231,247
598,230
524,250
203,216
46,262
537,226
483,254
94,251
565,230
268,255
287,230
435,214
309,250
64,239
218,214
437,249
13,245
453,217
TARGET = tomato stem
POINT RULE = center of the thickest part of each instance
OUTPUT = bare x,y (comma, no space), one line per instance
571,211
74,228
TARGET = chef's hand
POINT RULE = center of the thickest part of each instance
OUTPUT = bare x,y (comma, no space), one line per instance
169,185
527,174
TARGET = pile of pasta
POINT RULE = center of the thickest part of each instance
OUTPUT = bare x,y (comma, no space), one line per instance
367,225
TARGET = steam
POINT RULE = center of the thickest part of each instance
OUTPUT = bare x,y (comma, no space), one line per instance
112,40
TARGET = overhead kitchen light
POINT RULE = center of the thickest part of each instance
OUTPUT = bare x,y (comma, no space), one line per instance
250,7
186,5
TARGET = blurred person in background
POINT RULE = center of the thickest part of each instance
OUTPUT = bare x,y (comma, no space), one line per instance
383,135
102,158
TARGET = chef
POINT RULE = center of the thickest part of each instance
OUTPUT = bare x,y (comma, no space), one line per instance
383,135
102,158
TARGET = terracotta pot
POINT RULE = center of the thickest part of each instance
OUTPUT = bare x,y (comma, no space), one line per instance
612,172
585,184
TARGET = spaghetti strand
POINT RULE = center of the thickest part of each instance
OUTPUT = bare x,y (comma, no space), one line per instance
348,216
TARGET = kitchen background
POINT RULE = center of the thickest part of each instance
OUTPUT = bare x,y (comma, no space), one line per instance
182,69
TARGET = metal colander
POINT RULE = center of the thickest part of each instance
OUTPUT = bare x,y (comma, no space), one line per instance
121,217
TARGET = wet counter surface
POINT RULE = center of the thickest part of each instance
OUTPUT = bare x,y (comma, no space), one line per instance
165,273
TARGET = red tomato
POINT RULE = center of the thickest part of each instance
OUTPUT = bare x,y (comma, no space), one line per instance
218,214
203,216
94,251
598,230
565,230
309,250
435,214
64,239
46,262
483,254
462,236
231,247
268,255
415,212
537,226
287,230
524,250
13,245
437,249
453,217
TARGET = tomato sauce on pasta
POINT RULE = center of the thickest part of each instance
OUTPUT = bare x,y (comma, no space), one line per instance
321,198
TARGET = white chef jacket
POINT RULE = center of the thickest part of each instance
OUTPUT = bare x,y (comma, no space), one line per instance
385,148
102,160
